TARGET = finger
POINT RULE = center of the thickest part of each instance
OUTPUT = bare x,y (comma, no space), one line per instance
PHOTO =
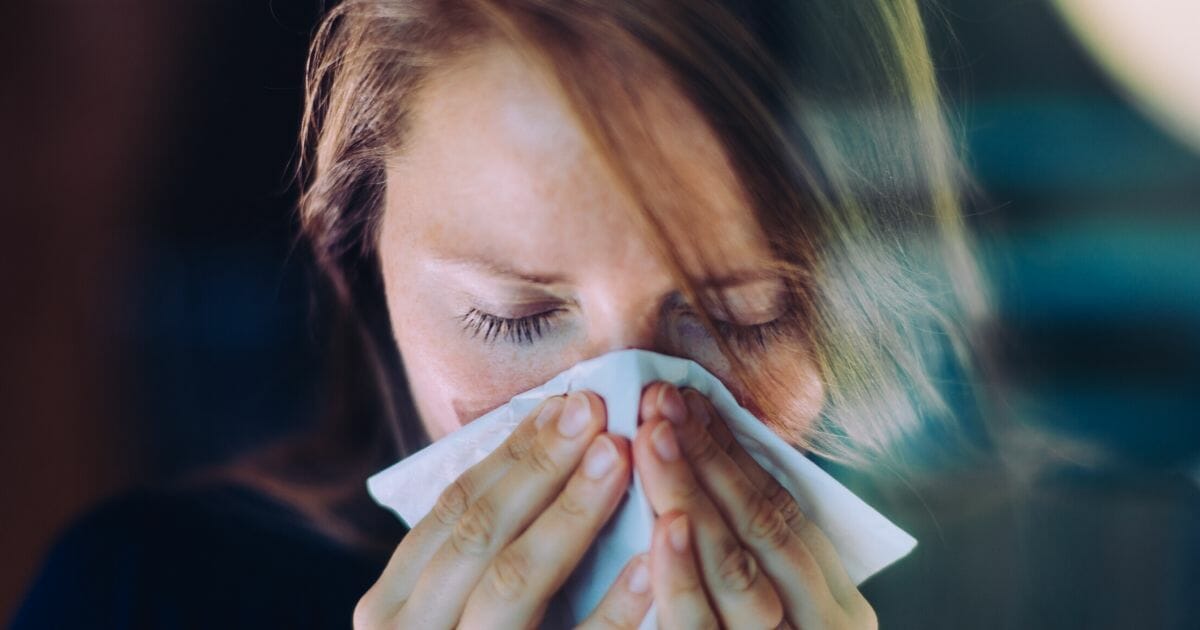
525,574
814,539
800,580
740,592
418,546
678,585
627,600
502,512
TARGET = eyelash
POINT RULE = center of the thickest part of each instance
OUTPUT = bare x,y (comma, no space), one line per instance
519,330
758,335
523,330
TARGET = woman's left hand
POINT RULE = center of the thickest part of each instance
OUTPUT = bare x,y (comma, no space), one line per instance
731,547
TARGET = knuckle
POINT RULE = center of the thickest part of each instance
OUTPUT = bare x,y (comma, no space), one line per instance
364,615
367,615
767,525
778,496
691,584
453,502
612,616
737,569
573,506
701,449
518,447
687,492
540,462
724,439
474,531
508,576
870,621
611,619
685,586
797,520
862,614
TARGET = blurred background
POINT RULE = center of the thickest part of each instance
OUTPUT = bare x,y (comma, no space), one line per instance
159,317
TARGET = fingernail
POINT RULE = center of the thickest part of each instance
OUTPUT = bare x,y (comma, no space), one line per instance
670,404
696,406
639,578
663,439
575,415
677,531
549,409
599,459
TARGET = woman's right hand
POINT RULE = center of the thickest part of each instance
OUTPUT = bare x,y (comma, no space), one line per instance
503,538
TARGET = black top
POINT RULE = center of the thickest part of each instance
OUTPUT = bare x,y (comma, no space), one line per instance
1075,553
222,556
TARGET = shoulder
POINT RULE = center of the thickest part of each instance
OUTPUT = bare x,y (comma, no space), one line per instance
219,555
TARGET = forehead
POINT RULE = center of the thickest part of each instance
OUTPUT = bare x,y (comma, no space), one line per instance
495,163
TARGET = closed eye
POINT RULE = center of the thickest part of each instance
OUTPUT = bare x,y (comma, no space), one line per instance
525,330
518,330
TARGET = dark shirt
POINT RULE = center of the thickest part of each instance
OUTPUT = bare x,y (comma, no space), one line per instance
222,556
1077,552
227,556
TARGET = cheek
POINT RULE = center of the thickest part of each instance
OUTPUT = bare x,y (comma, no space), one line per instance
793,394
690,340
787,391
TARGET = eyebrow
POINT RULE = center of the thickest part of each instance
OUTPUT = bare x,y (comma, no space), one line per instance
497,268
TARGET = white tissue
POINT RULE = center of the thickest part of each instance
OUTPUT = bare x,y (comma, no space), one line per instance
865,541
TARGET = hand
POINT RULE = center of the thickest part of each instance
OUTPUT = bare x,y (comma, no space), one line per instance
731,547
505,535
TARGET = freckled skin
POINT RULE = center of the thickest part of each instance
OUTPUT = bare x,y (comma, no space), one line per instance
495,166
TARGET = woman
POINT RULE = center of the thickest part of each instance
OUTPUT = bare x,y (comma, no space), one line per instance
513,186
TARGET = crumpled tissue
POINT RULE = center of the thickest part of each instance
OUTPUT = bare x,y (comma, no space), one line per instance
864,539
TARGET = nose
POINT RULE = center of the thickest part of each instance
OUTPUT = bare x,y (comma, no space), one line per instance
627,324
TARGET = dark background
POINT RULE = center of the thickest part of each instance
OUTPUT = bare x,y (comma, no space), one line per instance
158,315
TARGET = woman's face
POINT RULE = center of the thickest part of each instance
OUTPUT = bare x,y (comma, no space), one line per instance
498,208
